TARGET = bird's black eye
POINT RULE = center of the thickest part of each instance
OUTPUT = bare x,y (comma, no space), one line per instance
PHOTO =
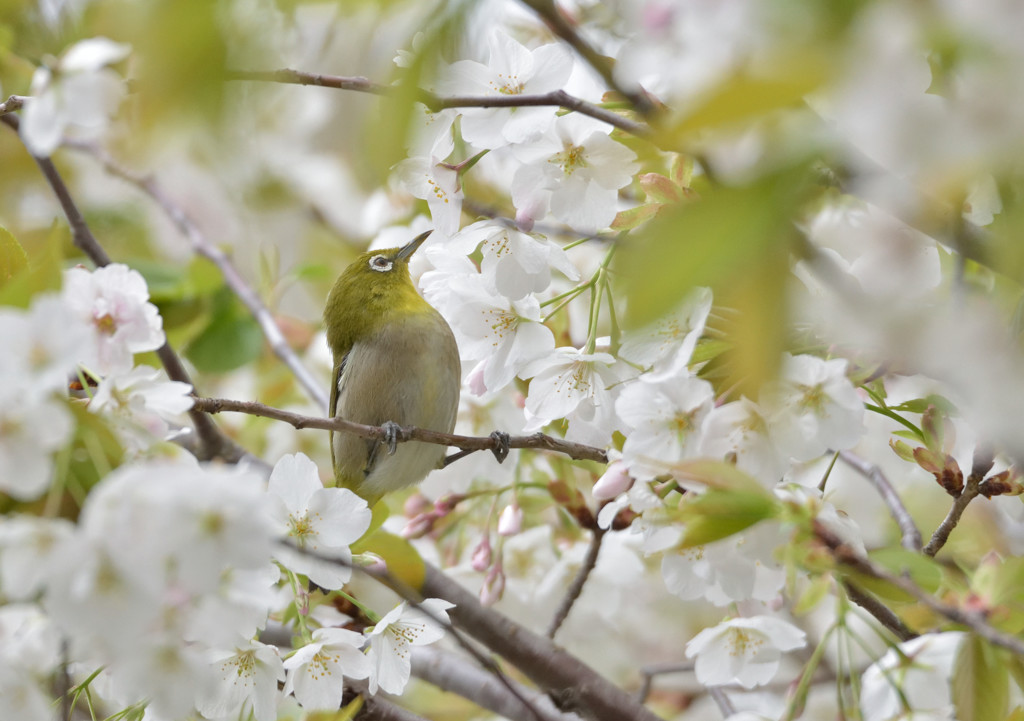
380,264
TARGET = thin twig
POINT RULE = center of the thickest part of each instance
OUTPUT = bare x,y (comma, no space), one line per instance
548,11
910,535
576,587
882,613
647,673
202,246
721,700
941,535
14,102
213,443
555,98
973,620
539,441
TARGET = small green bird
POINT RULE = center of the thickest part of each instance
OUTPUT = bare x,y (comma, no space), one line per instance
395,364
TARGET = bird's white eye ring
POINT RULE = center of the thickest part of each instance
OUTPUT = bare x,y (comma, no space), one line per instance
380,264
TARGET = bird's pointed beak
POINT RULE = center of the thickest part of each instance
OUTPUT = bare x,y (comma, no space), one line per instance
409,248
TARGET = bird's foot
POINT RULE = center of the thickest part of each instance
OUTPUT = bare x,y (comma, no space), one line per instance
392,432
501,440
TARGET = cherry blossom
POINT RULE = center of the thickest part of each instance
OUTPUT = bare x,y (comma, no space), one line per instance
574,385
393,636
78,90
665,421
248,678
813,407
142,403
317,670
917,675
514,263
665,346
511,69
318,520
113,301
575,170
744,651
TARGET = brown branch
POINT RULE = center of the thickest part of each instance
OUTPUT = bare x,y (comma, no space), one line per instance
539,441
941,535
572,685
576,587
555,98
202,246
548,12
910,536
213,443
973,620
882,613
14,102
451,672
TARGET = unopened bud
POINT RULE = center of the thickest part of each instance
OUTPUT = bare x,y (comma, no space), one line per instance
481,555
511,520
447,503
371,562
419,526
494,586
415,505
615,481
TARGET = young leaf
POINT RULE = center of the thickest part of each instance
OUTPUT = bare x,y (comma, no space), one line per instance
980,682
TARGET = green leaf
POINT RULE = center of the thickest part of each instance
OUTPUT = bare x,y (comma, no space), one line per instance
737,241
718,474
717,514
634,217
13,259
744,97
403,560
42,273
980,682
924,571
231,339
660,189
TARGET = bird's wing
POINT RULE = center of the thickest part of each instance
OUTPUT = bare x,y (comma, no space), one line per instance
332,405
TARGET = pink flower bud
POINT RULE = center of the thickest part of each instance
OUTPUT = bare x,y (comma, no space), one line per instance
494,586
371,562
415,504
511,520
419,526
447,503
481,555
615,480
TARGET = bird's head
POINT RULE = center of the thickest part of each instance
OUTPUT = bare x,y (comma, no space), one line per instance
371,289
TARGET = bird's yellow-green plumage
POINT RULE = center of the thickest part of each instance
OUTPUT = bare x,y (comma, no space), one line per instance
395,359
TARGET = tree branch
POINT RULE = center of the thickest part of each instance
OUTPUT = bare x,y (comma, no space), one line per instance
882,613
202,246
539,441
450,672
212,443
14,102
576,587
555,98
941,535
572,685
973,620
910,536
548,12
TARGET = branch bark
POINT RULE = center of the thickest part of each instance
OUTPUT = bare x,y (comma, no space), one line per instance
556,98
538,441
212,443
202,246
941,535
910,536
571,684
576,587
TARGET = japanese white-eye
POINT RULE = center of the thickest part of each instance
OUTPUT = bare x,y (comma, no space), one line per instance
395,364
